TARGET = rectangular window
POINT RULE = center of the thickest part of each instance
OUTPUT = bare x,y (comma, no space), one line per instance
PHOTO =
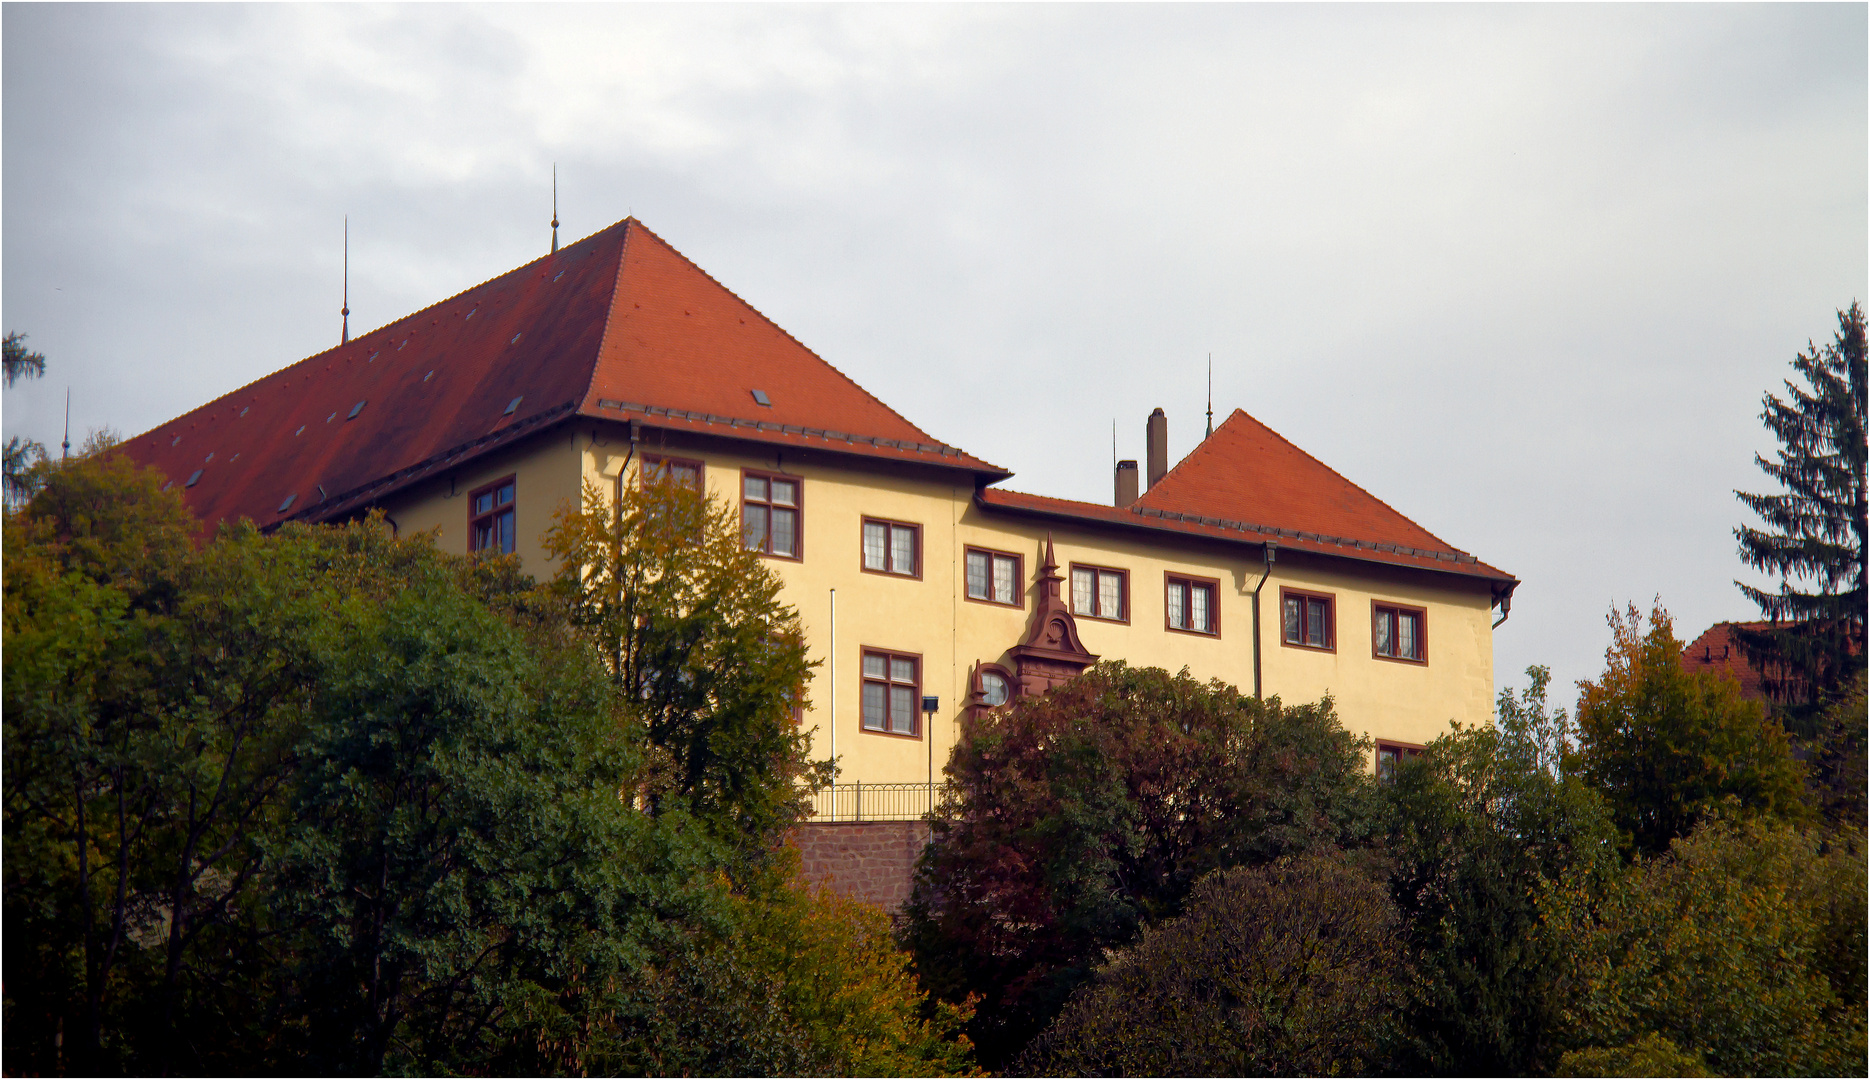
1399,633
1191,604
1100,592
657,468
490,517
1309,621
1392,754
993,577
770,513
892,547
892,692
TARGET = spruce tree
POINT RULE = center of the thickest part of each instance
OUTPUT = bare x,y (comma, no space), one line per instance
1813,539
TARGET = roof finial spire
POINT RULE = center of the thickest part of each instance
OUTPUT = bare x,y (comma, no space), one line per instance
1210,395
555,207
64,449
344,335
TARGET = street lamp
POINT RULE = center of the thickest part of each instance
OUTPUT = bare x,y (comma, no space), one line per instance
930,703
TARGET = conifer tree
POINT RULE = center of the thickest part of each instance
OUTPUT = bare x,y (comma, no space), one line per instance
1813,539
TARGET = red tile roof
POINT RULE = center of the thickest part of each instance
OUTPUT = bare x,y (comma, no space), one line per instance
618,325
1717,651
1245,483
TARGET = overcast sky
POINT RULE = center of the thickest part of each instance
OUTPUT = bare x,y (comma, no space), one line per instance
1523,272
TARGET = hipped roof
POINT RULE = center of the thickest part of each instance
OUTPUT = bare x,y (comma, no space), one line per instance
1246,483
619,326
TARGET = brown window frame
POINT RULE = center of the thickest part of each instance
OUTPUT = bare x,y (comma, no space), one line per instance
981,671
494,511
1190,583
798,508
1129,598
1331,619
889,547
701,469
887,682
1019,576
1402,751
1378,607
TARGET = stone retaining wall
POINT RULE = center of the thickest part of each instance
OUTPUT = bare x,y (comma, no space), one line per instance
873,861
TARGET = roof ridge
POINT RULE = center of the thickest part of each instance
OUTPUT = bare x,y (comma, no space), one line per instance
1314,460
770,322
610,309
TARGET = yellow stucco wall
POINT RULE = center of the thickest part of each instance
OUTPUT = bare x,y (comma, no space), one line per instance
930,616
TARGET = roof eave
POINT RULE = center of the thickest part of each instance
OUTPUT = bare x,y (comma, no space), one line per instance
1503,583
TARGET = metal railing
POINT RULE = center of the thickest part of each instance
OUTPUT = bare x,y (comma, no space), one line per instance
875,802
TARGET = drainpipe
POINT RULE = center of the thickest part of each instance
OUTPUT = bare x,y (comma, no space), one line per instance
832,680
1506,608
1268,551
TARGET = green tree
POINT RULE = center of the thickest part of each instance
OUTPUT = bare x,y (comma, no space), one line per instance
1743,945
840,977
1473,828
19,362
707,659
1277,970
1667,746
1813,539
1085,814
22,455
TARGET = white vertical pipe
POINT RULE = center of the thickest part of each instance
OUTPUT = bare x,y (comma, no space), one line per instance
833,678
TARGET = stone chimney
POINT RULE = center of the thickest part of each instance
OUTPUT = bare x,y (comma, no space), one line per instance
1158,431
1126,483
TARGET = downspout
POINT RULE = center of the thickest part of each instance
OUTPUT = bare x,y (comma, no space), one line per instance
1506,607
832,679
1268,551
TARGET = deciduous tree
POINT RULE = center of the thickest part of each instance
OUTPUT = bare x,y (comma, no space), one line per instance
1280,970
1743,944
1667,746
690,626
1085,814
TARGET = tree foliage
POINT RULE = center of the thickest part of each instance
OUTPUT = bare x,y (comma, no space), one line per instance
689,625
1085,814
23,456
1474,827
329,801
1667,746
1277,970
1744,944
1813,539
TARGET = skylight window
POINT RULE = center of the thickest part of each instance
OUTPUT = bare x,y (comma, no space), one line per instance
558,275
177,441
516,338
287,505
243,411
192,478
332,417
355,409
209,460
512,405
429,376
470,313
760,396
301,430
372,356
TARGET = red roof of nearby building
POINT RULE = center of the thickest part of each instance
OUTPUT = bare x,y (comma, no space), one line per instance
618,325
1246,483
1716,650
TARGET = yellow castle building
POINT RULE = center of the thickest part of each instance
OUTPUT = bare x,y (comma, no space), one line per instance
917,575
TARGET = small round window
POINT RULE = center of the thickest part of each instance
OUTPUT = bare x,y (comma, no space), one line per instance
993,687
